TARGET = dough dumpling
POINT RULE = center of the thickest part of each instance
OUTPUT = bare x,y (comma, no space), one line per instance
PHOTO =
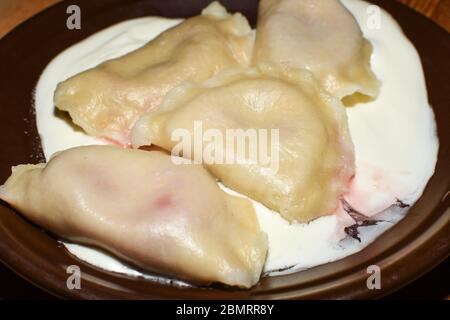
315,161
107,100
167,218
321,36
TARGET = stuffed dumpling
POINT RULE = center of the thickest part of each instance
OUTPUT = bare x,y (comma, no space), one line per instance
304,171
321,36
139,205
107,100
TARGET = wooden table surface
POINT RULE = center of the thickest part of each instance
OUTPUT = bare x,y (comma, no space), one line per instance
12,12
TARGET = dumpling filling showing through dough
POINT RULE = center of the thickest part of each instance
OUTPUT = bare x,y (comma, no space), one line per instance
167,218
320,36
315,152
107,100
175,220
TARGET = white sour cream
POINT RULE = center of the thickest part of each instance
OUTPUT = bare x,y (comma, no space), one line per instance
395,141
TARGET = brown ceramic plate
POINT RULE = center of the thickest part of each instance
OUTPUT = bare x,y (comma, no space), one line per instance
405,252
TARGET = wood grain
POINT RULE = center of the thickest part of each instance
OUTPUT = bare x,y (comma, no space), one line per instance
13,12
436,10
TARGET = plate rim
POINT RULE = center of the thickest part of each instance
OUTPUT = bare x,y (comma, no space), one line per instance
11,260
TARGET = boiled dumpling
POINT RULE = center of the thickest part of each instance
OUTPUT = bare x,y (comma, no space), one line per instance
107,100
304,171
172,219
321,36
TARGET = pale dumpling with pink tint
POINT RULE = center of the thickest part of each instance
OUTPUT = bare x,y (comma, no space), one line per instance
301,174
107,100
321,36
140,206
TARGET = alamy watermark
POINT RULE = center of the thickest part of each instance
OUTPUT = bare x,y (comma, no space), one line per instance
373,282
73,22
226,146
373,21
73,281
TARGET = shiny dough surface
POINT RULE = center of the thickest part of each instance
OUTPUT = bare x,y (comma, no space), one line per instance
167,218
316,156
320,36
107,100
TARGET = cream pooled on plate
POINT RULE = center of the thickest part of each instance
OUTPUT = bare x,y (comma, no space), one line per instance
386,132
